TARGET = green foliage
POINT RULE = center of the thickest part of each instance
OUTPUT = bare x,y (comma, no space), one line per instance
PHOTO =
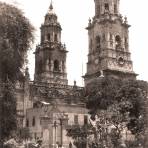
16,36
8,111
79,133
135,93
118,103
101,93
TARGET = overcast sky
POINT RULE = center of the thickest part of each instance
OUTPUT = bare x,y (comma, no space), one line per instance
73,16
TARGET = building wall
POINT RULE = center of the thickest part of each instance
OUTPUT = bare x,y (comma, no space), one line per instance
46,131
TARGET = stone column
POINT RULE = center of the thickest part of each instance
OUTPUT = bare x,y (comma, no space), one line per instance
46,137
52,65
45,122
47,65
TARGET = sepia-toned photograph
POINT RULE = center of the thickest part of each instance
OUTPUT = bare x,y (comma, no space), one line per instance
73,74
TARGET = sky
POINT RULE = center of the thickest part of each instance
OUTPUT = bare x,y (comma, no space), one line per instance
73,16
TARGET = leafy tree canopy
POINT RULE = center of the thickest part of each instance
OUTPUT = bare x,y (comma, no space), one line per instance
16,37
8,122
119,103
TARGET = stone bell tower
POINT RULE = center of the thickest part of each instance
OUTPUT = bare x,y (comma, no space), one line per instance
50,55
109,54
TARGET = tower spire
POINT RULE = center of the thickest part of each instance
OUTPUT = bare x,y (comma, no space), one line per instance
51,5
52,67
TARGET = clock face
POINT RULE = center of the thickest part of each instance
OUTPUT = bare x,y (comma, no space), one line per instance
121,61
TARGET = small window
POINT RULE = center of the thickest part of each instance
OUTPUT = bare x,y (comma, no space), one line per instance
27,122
125,42
106,5
33,121
56,65
85,119
76,119
55,38
48,37
118,41
98,42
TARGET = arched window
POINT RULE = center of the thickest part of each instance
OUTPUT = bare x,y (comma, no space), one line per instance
118,41
85,119
56,65
98,42
33,121
48,37
106,7
55,38
125,43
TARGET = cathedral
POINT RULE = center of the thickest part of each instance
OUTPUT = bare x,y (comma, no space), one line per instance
48,106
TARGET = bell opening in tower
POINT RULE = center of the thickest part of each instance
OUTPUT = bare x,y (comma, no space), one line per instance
106,6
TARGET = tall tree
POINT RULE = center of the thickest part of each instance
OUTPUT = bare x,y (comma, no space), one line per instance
116,107
119,104
16,38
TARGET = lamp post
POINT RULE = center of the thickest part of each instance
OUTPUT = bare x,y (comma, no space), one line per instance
62,118
55,125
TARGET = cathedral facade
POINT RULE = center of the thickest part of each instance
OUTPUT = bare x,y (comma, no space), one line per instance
48,105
